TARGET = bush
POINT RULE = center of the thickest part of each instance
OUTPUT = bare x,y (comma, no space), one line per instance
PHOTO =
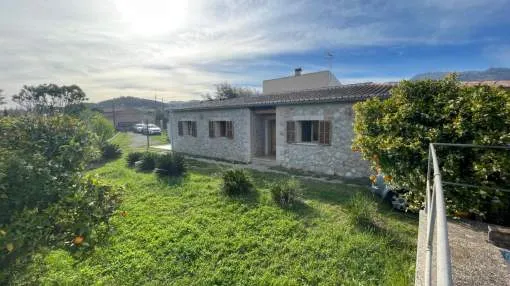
395,135
133,157
170,164
110,151
98,124
148,161
40,160
236,182
286,193
74,220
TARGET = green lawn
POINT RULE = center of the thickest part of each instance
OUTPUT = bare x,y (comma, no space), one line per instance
186,232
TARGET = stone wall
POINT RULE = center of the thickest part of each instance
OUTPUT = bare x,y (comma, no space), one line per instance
337,158
236,149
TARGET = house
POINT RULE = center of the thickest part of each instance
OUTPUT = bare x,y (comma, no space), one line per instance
124,118
308,129
299,82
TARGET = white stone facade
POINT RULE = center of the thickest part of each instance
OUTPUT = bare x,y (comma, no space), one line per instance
334,159
236,149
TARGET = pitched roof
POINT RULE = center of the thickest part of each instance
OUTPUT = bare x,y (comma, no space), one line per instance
341,93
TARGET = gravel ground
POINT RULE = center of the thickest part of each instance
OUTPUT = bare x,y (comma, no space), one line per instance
475,261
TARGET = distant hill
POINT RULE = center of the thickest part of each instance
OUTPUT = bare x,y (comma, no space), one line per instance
489,74
132,102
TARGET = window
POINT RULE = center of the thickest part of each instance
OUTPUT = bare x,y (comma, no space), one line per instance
187,128
221,129
309,131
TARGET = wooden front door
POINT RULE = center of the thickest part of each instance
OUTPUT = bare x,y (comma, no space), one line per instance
272,126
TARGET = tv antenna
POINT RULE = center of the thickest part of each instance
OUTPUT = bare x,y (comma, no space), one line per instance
329,57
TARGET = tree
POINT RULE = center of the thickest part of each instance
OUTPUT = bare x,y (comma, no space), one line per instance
50,98
2,98
227,91
98,124
394,134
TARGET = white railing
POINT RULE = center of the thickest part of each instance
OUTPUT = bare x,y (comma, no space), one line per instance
436,216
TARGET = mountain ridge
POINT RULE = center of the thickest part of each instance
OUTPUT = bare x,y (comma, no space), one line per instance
488,74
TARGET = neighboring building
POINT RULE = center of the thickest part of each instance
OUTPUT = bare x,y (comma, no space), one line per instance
307,129
299,82
124,118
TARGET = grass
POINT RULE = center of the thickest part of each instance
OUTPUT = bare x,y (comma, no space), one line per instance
161,139
186,232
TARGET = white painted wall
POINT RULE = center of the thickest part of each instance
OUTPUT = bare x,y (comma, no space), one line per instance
294,83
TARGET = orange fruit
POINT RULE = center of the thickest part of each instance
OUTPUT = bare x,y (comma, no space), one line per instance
78,240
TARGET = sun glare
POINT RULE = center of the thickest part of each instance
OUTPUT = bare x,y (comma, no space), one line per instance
153,16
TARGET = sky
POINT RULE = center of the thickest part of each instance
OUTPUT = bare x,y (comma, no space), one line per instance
178,50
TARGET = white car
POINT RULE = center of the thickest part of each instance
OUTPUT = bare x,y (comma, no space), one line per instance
152,129
140,127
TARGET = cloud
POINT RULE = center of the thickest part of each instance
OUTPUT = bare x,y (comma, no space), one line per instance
180,49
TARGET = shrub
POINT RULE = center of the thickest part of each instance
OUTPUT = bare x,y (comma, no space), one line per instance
395,134
286,193
40,160
110,151
148,161
76,214
98,124
236,182
133,157
170,164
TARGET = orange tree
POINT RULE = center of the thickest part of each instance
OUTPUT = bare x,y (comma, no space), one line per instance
45,201
394,134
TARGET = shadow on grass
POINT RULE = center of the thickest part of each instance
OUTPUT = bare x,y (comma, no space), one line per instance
364,214
251,198
171,180
302,210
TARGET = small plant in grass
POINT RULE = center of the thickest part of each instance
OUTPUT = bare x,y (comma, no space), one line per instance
110,151
170,164
286,193
236,182
362,211
133,157
148,161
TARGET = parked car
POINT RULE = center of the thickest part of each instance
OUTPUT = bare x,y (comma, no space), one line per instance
383,190
152,129
139,127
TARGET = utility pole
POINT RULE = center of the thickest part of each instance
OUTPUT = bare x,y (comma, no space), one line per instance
114,117
147,133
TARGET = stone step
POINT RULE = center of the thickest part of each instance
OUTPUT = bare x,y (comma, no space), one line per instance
499,236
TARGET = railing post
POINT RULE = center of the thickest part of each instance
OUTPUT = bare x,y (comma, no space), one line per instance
443,262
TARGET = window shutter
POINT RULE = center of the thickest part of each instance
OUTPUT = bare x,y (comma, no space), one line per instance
291,131
194,128
324,132
179,128
211,129
230,130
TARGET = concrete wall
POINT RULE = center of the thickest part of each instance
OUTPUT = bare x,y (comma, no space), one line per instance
336,158
302,82
237,149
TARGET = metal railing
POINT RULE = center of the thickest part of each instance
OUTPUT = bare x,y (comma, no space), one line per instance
436,216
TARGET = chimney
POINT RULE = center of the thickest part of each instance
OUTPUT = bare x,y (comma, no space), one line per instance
297,72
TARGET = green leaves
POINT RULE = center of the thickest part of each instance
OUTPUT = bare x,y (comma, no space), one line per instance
400,129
